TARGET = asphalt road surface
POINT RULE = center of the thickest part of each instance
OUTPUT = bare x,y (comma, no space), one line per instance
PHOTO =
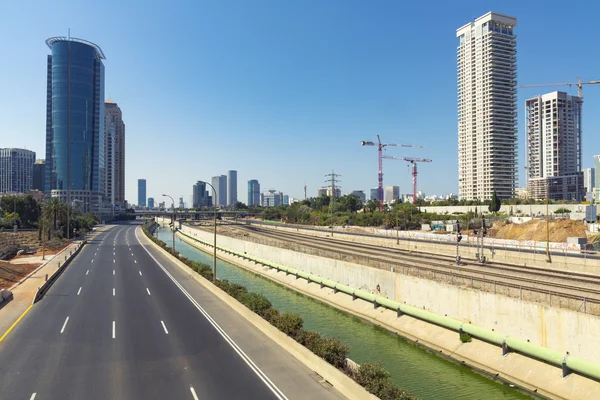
123,323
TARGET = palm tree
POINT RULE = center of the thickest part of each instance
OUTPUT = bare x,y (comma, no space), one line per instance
54,209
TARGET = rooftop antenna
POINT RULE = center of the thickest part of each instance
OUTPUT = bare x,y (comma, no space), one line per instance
304,190
69,37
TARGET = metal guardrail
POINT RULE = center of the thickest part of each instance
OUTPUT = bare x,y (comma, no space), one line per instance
508,343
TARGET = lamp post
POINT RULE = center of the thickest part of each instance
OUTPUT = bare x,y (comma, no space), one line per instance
397,227
173,202
215,231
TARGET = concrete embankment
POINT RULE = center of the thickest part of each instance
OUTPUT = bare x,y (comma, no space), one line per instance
514,367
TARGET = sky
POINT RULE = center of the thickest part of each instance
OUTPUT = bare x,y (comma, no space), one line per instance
285,91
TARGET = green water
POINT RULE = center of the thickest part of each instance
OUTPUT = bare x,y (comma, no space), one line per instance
412,368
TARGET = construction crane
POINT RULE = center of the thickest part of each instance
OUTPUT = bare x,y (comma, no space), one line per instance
414,162
579,85
380,147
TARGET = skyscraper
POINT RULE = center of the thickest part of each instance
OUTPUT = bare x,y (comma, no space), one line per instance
39,175
487,108
16,170
150,203
597,180
392,193
220,184
589,179
231,187
253,193
115,117
142,192
75,147
374,193
200,196
553,132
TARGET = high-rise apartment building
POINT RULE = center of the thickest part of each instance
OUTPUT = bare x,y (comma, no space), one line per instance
75,136
142,192
220,184
253,193
589,179
392,193
39,175
374,194
487,107
16,170
200,196
231,187
114,118
553,132
150,203
597,179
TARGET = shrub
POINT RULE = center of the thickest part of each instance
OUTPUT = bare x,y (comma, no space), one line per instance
289,324
271,315
465,337
256,302
377,381
237,291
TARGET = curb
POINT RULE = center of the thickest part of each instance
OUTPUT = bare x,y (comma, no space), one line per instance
340,381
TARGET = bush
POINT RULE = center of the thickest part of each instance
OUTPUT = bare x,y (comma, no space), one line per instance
271,315
377,381
465,337
289,324
256,302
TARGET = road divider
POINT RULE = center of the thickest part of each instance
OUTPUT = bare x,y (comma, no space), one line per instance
42,290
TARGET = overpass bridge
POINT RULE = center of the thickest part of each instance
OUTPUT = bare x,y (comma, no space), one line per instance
194,215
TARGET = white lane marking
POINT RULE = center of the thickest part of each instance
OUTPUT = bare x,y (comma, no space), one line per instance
64,325
95,254
34,394
263,377
87,272
164,327
131,253
135,261
92,260
113,271
113,291
114,253
193,393
113,329
114,261
148,290
79,291
140,273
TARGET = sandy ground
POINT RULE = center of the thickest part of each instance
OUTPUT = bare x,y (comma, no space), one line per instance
560,230
14,270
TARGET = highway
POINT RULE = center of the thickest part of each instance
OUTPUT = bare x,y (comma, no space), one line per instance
123,323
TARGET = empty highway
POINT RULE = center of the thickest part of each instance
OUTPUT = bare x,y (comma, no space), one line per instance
123,323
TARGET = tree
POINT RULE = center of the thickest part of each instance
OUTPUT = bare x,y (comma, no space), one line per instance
54,209
495,204
240,206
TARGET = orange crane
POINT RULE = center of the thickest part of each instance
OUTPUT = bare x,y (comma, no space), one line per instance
414,162
380,147
579,85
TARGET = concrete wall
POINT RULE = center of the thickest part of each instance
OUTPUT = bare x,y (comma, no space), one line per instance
535,209
559,329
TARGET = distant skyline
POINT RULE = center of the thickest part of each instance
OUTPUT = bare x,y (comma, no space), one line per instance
283,92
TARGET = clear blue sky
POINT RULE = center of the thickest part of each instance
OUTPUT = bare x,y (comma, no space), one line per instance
284,91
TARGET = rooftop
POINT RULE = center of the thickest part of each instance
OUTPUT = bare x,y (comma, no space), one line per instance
50,42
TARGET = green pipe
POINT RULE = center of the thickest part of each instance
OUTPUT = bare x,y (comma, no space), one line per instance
542,353
484,334
344,289
315,278
328,282
361,294
584,367
387,303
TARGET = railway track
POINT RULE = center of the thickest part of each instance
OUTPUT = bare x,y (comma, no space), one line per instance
529,278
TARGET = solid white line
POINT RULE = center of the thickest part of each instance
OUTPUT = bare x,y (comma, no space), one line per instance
87,272
113,329
64,325
193,393
164,327
140,273
113,291
33,397
148,290
79,291
263,377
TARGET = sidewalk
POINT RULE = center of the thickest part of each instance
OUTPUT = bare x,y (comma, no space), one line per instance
24,291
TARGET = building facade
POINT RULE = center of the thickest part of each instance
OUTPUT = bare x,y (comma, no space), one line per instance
75,136
487,108
16,170
374,194
114,118
253,193
360,194
272,199
597,178
220,184
322,191
231,187
39,175
142,192
553,132
150,203
589,180
392,193
200,196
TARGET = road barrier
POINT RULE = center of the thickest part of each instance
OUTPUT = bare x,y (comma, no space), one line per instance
50,280
566,362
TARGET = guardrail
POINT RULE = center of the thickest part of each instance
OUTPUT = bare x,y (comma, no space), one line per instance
508,343
46,286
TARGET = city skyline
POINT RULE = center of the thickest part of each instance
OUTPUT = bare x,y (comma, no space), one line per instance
357,104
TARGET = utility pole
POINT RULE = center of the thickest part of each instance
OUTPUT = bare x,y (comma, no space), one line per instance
304,190
333,180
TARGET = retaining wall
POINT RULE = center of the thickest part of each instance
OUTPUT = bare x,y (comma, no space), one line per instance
559,329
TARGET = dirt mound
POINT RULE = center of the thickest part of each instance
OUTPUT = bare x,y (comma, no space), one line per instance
560,230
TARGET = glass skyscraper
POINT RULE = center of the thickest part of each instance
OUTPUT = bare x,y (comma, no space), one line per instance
142,192
75,144
253,193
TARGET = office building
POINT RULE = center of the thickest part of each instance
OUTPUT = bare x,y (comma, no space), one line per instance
285,200
374,194
272,199
142,192
337,191
231,187
597,178
75,135
220,184
114,119
322,191
253,193
553,134
589,180
16,170
181,203
487,108
150,203
392,193
39,175
109,154
360,194
200,196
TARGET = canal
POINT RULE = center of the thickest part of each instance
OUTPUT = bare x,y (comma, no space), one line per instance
412,368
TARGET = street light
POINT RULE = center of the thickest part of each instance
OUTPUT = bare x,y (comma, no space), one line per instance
215,231
166,195
548,220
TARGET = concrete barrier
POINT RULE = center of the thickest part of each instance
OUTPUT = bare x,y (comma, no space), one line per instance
5,295
50,281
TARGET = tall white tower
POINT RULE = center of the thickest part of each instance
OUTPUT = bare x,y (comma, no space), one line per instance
487,107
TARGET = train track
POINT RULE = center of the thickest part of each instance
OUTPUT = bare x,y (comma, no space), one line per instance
536,279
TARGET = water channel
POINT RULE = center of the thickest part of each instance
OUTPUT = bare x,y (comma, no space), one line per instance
412,368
